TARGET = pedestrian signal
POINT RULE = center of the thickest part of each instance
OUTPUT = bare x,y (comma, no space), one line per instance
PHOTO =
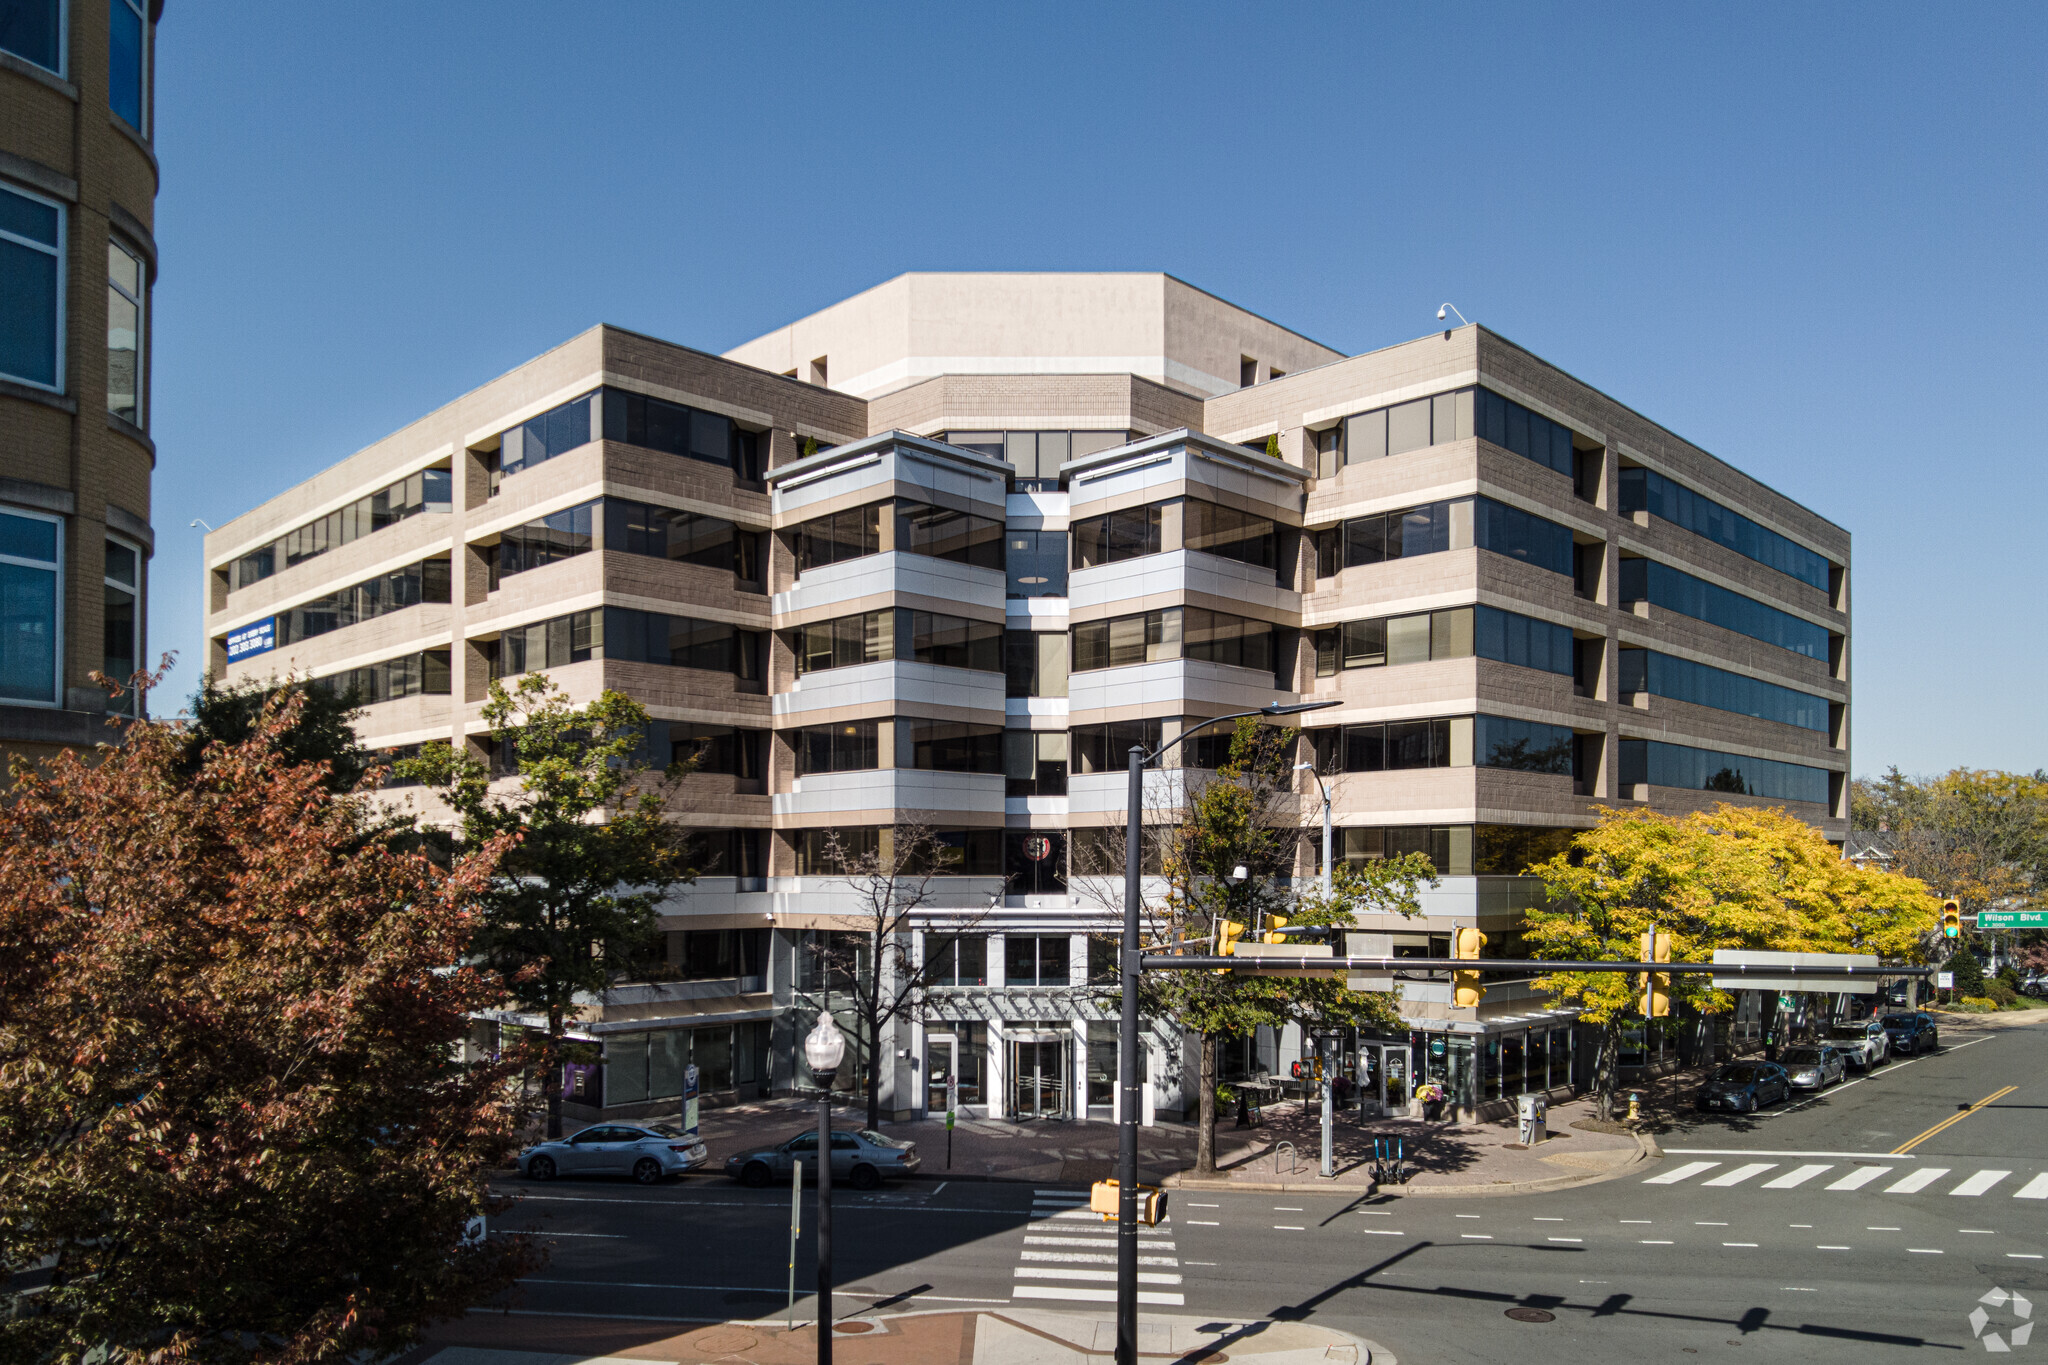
1276,929
1466,988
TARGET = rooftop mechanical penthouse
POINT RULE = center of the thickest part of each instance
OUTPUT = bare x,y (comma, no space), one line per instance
945,550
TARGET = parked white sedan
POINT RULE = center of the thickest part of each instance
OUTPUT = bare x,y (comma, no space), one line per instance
648,1152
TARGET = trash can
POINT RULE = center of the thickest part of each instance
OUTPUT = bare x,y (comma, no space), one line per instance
1530,1110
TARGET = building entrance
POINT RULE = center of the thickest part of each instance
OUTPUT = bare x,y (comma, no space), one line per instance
1038,1076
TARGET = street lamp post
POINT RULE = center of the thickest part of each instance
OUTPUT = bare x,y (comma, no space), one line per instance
1127,1070
824,1047
1329,1166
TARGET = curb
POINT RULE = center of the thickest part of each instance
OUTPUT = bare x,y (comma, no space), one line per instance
1646,1150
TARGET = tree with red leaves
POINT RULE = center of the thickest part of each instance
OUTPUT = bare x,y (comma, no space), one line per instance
234,1121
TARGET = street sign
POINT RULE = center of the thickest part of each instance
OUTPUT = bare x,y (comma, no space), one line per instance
1369,945
2012,919
1790,980
1944,981
1296,951
952,1099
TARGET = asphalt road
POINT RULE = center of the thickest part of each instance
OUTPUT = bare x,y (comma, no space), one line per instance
1851,1227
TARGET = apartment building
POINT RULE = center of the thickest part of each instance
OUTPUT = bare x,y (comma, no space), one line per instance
78,184
941,552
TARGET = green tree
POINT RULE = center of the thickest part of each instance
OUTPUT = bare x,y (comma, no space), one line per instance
591,854
321,730
232,1107
1732,877
1246,816
1968,974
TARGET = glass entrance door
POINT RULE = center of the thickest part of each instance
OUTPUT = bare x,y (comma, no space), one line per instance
1038,1078
941,1060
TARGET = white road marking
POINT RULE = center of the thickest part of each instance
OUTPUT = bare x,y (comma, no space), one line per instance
1092,1242
1917,1181
1830,1248
1753,1151
2022,1256
1565,1239
1550,1220
1645,1221
1032,1272
1288,1227
1077,1294
1648,1243
1464,1215
1284,1208
1477,1236
1198,1223
1978,1232
1738,1244
1685,1172
1979,1183
1795,1177
1088,1258
1204,1206
1880,1229
1710,1225
1861,1176
2037,1188
1382,1232
1739,1174
1924,1251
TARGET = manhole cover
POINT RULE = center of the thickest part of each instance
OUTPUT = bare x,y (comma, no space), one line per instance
725,1342
1531,1315
853,1328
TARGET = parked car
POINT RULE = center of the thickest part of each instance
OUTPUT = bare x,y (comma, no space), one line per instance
1744,1087
1863,1044
649,1152
1815,1066
1913,1033
864,1159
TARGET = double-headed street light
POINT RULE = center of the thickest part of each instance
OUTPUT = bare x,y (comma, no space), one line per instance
1127,1070
824,1048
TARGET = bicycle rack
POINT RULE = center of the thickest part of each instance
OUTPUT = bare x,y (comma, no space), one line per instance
1292,1158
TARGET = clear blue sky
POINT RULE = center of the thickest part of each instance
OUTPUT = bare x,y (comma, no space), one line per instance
1808,238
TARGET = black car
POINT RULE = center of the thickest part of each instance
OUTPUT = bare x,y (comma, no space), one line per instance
1744,1087
1912,1033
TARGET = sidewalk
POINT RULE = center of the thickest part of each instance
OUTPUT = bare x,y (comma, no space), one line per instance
1010,1336
1442,1157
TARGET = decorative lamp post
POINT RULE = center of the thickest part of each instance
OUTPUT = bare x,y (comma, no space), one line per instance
824,1048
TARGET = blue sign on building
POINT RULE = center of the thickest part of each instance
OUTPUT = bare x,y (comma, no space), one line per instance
259,637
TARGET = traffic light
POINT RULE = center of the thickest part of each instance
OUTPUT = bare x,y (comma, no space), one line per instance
1103,1199
1656,985
1466,988
1228,932
1276,927
1951,918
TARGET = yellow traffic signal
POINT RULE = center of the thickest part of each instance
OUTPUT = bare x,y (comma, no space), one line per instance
1228,932
1656,985
1467,990
1951,918
1274,924
1103,1198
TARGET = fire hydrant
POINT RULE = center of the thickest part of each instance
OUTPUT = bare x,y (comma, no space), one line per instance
1635,1107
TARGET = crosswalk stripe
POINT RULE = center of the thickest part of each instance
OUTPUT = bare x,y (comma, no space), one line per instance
1090,1258
1076,1294
1979,1183
1740,1174
2037,1188
1917,1181
1861,1176
1148,1243
1685,1172
1032,1272
1797,1177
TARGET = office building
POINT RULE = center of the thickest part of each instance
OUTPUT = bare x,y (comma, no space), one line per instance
78,184
941,552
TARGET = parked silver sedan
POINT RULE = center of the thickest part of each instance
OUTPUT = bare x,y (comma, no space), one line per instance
863,1159
649,1152
1814,1067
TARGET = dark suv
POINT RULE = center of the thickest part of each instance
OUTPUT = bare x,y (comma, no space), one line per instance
1912,1033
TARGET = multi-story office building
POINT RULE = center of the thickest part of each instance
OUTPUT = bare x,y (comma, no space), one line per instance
943,551
78,183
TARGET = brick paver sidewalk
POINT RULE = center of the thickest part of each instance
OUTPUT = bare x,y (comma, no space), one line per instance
1008,1336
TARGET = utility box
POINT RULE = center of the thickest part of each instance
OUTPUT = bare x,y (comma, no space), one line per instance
1532,1111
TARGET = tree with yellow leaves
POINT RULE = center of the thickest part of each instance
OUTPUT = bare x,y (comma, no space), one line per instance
1732,877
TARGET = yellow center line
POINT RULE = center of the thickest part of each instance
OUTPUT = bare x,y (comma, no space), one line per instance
1905,1147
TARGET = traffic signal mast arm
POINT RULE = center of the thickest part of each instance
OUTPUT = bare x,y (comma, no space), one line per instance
1510,966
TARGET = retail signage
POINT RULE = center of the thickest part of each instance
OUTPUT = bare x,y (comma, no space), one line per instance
258,637
690,1101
